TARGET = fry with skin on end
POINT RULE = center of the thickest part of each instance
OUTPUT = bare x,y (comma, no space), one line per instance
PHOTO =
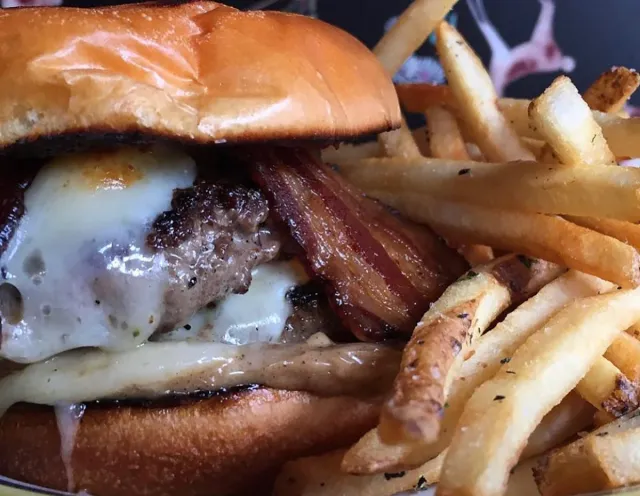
586,191
612,89
539,236
566,123
476,98
409,32
446,333
606,388
607,458
496,348
492,430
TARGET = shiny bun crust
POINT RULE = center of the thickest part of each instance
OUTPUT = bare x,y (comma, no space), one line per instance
231,444
198,71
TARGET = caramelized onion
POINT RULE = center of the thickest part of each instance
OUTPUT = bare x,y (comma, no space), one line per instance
381,272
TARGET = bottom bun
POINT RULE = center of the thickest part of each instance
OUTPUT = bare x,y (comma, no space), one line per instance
228,444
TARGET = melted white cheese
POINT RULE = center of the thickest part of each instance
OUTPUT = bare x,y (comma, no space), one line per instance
156,369
259,315
68,416
80,247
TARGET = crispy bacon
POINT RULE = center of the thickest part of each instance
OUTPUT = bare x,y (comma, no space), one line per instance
381,272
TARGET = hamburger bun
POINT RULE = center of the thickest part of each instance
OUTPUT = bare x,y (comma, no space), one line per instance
197,72
229,444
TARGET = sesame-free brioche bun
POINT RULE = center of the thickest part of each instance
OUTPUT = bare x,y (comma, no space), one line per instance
230,444
199,72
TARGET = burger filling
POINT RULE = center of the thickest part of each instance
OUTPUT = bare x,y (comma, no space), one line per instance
142,272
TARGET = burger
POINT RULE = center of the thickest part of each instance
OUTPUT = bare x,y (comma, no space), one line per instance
189,297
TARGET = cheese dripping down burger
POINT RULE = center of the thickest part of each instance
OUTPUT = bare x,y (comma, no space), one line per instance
188,296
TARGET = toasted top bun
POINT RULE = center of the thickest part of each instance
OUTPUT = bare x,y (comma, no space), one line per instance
197,71
230,444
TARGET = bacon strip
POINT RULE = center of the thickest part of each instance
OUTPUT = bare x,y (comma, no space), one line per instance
380,271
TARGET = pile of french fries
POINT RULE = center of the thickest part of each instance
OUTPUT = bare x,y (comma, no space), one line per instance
532,194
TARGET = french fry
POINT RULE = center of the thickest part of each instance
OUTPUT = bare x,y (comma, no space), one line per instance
476,98
321,475
476,254
624,231
445,139
399,143
566,123
371,456
497,347
612,89
624,353
606,388
620,132
446,333
607,458
422,140
539,236
586,191
409,32
493,431
571,416
348,152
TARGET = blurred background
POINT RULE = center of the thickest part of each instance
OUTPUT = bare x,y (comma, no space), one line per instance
525,43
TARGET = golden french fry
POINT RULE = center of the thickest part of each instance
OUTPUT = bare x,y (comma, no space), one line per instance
539,236
624,353
619,229
606,388
421,138
527,186
476,98
607,458
399,142
476,254
409,32
445,139
566,123
612,89
321,475
571,416
493,430
497,347
620,132
446,333
370,456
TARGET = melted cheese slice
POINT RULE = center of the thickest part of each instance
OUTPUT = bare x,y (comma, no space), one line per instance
156,369
78,257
